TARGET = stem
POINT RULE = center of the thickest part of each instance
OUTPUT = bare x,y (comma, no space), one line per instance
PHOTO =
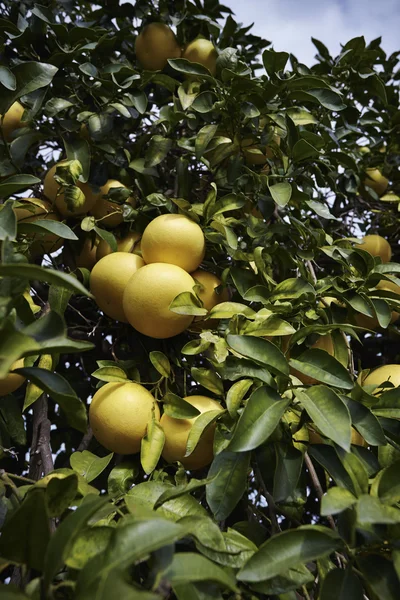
317,485
4,477
41,458
275,528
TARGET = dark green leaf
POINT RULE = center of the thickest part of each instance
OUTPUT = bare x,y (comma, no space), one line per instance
260,351
341,584
230,470
319,365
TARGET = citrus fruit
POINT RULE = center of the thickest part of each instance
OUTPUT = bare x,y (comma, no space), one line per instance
387,373
13,120
177,433
376,181
107,212
372,322
207,294
203,52
108,280
376,246
34,209
129,243
356,438
148,295
12,381
51,188
155,44
173,239
87,257
119,414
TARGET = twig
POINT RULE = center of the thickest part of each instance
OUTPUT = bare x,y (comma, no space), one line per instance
85,441
4,477
317,484
41,458
275,528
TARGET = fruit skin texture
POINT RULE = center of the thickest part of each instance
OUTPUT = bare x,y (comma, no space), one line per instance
109,213
376,245
173,239
51,187
387,373
87,257
36,210
148,295
13,120
177,433
129,243
324,342
108,280
119,414
155,44
208,295
12,381
376,181
202,51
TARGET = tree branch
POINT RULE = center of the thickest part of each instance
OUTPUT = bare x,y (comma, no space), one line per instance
41,458
317,485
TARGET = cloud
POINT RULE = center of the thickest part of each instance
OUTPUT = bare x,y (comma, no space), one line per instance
290,24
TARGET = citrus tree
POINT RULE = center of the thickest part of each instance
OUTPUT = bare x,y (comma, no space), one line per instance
199,299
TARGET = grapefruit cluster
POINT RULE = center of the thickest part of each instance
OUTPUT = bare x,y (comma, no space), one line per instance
139,289
157,43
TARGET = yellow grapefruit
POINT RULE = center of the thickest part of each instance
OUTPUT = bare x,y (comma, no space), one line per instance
155,44
107,212
108,280
376,181
148,295
12,381
13,120
129,243
173,239
34,209
356,438
177,433
119,414
51,188
203,52
387,373
87,257
376,246
209,282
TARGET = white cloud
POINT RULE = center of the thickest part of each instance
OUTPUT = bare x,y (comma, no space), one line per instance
290,24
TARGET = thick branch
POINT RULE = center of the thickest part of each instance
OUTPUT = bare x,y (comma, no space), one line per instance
41,458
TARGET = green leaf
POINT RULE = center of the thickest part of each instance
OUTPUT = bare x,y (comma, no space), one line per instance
60,493
32,272
328,98
230,470
17,183
319,365
295,578
30,76
160,362
187,303
152,445
188,567
274,61
236,394
389,484
47,225
260,351
23,538
259,419
89,465
281,193
288,549
341,584
7,78
203,138
180,490
202,422
78,149
226,310
10,412
204,102
302,150
321,210
179,408
11,592
328,413
365,422
329,460
89,543
371,511
381,576
61,392
190,68
122,477
65,535
144,496
110,374
227,203
293,288
336,500
58,299
8,222
208,379
289,463
157,150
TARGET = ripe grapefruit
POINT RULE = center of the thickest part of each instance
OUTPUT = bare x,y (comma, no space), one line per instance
12,381
376,181
129,243
13,120
51,188
203,52
155,44
376,246
107,212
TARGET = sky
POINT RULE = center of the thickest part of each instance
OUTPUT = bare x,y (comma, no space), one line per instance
290,24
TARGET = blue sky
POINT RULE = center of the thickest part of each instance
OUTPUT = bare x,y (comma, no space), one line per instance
290,24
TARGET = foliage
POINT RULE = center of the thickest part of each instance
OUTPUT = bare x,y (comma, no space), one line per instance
275,515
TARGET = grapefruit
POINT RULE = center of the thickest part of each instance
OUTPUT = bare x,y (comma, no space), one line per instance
177,433
87,257
12,381
203,52
173,239
376,181
108,280
129,243
107,212
209,282
376,246
119,414
147,297
387,373
155,44
51,188
13,120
